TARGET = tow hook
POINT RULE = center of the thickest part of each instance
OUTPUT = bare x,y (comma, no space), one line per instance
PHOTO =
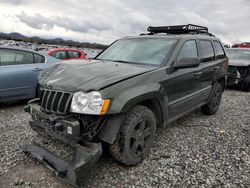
27,109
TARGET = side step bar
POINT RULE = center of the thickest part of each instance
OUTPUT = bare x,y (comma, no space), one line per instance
74,172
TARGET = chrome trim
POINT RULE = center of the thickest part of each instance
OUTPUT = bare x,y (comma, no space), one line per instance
57,107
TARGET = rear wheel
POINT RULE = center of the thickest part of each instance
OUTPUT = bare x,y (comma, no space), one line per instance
214,102
135,137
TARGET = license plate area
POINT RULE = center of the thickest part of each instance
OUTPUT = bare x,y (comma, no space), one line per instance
63,128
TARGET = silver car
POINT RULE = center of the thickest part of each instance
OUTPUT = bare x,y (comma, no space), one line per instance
239,68
19,69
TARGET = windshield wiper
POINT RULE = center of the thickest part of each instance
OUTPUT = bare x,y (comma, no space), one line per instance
129,62
119,61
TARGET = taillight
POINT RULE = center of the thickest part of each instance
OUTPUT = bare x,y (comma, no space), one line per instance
226,64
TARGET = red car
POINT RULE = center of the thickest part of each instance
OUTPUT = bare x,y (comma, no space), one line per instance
67,53
242,45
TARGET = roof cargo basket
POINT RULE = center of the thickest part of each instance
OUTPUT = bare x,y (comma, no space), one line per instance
179,29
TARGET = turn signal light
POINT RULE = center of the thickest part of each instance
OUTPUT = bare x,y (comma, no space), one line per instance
105,106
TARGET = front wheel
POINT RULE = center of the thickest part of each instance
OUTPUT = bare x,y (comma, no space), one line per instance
214,102
136,136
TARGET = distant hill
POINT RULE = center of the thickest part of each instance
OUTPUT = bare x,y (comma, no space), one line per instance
56,41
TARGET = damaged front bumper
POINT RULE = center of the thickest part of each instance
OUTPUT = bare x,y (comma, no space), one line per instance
238,75
75,171
66,129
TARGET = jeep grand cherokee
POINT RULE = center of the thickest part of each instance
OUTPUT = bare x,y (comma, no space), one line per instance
123,95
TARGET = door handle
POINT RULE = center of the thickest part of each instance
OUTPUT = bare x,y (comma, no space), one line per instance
37,69
196,74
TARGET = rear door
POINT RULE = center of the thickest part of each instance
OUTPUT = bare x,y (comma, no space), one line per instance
211,63
18,73
221,58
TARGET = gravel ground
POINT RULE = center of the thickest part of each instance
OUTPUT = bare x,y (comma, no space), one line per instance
194,151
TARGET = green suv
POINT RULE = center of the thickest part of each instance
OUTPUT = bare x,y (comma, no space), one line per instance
121,97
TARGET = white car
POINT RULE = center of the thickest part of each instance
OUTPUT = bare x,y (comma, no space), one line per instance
239,67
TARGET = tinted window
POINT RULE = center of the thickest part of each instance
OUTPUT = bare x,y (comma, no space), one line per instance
219,50
60,55
207,50
189,50
39,58
151,51
15,57
74,54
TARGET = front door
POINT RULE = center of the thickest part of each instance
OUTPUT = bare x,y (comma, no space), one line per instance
183,86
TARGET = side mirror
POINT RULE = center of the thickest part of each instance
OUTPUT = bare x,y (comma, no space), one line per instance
186,63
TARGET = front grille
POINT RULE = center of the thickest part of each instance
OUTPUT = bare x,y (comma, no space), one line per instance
56,102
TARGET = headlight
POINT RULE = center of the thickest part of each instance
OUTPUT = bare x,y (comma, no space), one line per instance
81,99
89,103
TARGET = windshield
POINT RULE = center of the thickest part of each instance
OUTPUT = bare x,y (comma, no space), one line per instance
238,54
152,51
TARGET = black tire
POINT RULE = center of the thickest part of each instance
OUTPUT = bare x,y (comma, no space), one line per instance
131,145
214,102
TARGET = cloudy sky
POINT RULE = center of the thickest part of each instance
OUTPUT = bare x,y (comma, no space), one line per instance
104,21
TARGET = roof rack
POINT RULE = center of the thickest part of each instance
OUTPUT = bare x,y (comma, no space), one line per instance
179,29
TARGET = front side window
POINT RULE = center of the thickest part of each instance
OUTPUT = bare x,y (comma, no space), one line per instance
188,50
150,51
219,50
60,55
15,57
207,50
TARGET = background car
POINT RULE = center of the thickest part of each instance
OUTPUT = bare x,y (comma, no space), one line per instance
242,45
67,53
19,69
239,68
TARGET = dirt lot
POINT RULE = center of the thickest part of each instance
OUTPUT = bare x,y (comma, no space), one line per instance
196,150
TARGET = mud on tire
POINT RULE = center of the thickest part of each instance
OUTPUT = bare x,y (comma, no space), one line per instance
135,137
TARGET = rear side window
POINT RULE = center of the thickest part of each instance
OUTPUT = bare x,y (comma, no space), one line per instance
15,57
207,50
73,54
219,50
60,55
39,58
188,50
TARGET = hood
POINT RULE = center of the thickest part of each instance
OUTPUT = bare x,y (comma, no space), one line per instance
89,75
239,62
